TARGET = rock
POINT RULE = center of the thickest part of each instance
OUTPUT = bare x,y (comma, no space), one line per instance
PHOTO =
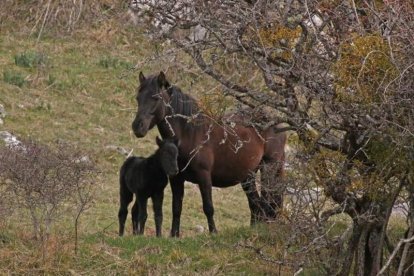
119,149
10,139
2,111
199,229
1,121
83,159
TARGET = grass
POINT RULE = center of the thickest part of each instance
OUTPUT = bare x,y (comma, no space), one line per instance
14,78
30,59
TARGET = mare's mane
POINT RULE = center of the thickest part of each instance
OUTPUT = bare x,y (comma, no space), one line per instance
182,103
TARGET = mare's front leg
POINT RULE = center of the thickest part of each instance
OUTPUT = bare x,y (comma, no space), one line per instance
134,214
205,186
142,213
177,188
157,200
253,198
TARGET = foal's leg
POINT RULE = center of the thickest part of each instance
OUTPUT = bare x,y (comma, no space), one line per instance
142,214
157,200
249,187
177,188
134,214
125,198
205,186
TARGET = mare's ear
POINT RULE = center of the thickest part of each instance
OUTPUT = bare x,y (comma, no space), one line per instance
141,77
159,141
162,80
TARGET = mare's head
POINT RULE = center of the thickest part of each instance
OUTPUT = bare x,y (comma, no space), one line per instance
168,154
152,96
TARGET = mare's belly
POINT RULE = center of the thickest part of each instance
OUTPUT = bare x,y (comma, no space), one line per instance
235,168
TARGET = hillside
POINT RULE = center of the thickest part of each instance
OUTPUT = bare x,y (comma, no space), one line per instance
80,89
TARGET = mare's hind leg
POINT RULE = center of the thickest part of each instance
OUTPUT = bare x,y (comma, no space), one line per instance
125,198
249,187
157,200
134,214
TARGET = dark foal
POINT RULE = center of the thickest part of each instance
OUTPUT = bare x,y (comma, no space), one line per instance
211,153
146,177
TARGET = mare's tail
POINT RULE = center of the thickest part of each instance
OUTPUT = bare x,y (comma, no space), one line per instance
272,170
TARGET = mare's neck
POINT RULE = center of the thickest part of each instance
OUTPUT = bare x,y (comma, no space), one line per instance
172,127
179,113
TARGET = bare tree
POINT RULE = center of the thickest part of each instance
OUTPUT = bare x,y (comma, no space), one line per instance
339,73
46,183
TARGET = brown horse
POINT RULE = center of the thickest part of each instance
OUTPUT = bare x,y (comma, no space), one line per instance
210,154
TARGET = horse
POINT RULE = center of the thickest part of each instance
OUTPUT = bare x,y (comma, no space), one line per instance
210,153
146,177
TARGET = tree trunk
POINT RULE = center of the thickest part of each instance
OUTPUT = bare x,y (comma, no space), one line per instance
364,249
406,266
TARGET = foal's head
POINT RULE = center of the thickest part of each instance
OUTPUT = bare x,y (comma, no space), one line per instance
168,154
152,96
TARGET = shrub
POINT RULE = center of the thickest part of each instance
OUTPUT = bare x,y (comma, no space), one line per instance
45,181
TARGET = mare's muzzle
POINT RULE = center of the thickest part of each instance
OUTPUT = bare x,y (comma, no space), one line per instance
141,126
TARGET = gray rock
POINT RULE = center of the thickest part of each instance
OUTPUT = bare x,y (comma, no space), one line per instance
2,111
119,149
199,229
10,139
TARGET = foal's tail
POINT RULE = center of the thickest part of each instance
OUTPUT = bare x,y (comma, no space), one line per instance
122,173
125,195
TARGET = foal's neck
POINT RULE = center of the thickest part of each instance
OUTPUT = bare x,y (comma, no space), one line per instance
154,162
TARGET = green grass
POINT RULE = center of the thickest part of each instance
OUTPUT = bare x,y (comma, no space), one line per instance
14,78
30,59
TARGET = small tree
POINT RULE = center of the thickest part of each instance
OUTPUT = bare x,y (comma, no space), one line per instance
45,181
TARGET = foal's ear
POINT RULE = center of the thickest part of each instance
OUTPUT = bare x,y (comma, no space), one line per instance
176,141
159,141
162,80
141,77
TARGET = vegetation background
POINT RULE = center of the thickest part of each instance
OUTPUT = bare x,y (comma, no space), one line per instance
338,72
76,84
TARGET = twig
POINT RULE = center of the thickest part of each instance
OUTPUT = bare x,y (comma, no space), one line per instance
44,20
394,253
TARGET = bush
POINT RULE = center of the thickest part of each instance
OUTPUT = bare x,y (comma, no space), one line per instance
44,181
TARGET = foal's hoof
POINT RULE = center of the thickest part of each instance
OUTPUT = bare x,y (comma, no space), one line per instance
213,231
174,235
